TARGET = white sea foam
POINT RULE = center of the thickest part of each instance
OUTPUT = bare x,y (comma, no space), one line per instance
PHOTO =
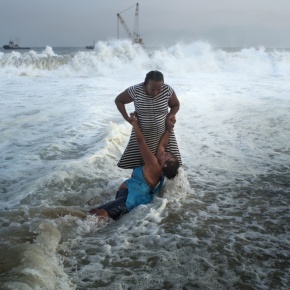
40,268
113,57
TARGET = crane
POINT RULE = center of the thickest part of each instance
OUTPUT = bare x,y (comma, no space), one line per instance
135,36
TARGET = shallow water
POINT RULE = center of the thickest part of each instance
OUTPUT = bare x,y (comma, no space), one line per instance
223,223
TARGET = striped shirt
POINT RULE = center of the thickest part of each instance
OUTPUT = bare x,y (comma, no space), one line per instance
151,113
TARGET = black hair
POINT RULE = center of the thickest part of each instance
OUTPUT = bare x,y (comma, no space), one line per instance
171,168
153,75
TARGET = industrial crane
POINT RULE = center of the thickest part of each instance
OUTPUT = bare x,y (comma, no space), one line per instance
135,36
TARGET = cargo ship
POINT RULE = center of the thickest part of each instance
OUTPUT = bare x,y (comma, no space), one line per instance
13,45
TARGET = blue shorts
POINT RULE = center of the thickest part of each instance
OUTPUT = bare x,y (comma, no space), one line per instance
116,208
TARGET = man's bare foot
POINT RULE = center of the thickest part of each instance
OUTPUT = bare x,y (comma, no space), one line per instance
99,212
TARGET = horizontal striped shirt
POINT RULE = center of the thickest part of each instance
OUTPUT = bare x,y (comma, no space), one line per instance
151,113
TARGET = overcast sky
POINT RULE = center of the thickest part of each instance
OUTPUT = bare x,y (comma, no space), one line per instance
226,23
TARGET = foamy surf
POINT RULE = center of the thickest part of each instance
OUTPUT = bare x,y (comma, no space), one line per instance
222,224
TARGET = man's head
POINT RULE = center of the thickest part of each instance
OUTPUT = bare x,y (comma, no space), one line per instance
170,166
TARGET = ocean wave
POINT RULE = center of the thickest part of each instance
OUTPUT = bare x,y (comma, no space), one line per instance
113,57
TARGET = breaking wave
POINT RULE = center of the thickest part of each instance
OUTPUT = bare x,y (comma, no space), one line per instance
112,57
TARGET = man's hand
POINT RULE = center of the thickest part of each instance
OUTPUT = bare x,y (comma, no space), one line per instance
133,119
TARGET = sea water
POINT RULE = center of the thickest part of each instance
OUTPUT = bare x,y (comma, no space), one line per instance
222,223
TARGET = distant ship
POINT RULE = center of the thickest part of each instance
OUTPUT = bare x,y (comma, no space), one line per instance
91,46
13,45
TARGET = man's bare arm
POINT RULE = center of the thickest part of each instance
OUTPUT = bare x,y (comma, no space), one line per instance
148,157
170,121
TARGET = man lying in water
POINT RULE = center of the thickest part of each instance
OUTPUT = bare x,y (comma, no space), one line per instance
146,180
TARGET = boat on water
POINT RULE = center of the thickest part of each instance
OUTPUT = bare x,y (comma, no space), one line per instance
13,45
91,46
